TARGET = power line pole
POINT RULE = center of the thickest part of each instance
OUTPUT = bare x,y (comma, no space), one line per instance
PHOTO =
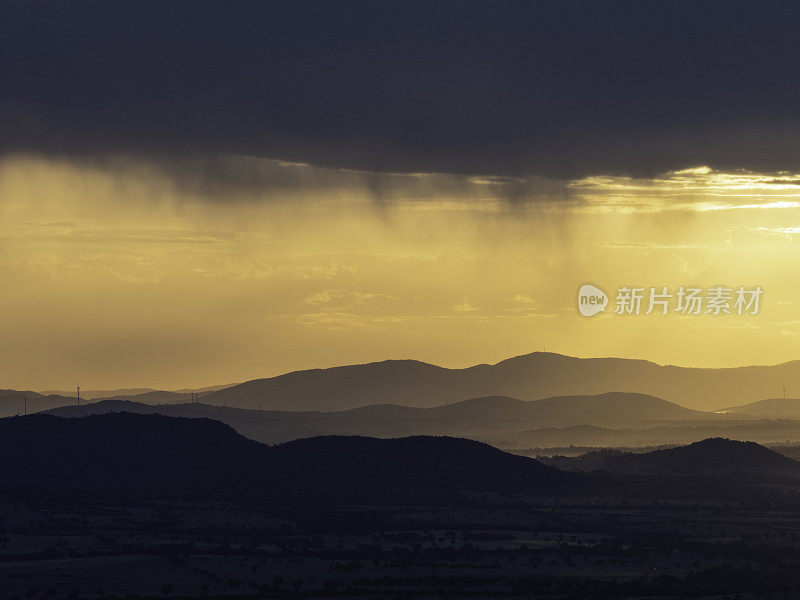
79,395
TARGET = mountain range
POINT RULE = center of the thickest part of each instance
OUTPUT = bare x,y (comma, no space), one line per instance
490,419
528,377
417,384
12,402
139,391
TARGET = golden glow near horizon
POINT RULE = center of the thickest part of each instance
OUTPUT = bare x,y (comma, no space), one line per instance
120,275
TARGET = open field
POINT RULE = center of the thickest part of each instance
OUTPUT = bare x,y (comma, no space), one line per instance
504,547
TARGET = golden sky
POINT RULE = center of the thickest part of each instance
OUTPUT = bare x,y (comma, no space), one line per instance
126,273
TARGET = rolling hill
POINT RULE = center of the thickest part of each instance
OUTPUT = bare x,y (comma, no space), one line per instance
715,453
142,394
779,408
529,377
712,456
151,397
12,402
133,456
486,419
95,394
762,431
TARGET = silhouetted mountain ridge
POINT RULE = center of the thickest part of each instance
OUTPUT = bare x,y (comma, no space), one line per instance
152,397
122,454
529,377
97,394
12,402
154,456
477,418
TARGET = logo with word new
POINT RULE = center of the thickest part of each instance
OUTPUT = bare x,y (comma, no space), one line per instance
591,300
684,300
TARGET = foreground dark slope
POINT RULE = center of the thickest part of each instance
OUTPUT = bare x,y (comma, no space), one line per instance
481,418
420,462
124,455
529,377
153,456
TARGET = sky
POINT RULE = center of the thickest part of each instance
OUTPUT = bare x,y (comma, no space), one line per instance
203,193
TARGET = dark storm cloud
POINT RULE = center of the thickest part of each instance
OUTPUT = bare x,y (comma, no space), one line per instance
559,89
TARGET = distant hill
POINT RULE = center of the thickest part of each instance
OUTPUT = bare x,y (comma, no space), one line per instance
762,431
529,377
104,407
613,408
144,394
203,390
478,418
93,394
713,456
12,402
152,456
152,397
779,408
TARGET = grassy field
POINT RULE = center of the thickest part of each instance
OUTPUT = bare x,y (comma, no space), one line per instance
512,547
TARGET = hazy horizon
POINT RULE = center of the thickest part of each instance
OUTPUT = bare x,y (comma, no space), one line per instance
144,385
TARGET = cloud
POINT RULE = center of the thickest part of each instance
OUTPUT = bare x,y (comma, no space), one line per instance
558,90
